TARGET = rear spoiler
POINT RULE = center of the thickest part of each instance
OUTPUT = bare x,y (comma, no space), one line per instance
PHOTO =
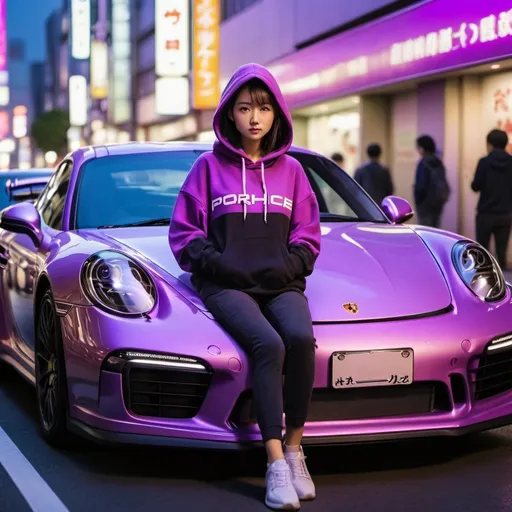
26,189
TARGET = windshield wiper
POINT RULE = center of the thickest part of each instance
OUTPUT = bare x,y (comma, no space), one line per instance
165,221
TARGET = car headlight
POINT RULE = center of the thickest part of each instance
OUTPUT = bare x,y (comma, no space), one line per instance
116,283
479,271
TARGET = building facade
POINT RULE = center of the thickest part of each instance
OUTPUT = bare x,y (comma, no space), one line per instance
369,71
37,85
352,73
56,65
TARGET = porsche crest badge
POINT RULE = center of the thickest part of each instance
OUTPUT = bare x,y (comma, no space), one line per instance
351,307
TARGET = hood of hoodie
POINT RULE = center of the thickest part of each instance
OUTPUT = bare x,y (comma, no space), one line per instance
500,160
240,77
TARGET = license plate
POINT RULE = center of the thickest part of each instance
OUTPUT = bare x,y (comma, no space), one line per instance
372,368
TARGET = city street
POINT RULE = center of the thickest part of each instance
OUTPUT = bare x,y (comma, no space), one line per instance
170,167
442,475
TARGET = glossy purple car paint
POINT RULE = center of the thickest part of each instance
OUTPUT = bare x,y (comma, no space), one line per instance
402,278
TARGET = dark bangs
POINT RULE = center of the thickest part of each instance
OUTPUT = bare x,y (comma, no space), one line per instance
278,135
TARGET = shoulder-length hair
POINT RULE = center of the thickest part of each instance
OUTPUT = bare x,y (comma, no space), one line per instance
278,134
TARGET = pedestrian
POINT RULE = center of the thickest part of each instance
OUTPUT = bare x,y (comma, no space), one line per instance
374,177
493,179
249,257
338,159
431,189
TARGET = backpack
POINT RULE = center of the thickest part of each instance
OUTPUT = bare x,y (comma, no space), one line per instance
438,189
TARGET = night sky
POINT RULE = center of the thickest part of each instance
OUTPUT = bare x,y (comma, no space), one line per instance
26,20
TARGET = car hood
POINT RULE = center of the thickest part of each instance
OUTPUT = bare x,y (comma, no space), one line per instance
365,271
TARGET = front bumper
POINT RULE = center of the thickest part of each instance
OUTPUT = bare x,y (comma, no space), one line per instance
110,437
444,346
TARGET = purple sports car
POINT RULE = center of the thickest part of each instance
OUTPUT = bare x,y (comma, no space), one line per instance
413,325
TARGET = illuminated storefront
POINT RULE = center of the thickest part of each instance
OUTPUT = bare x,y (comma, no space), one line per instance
440,67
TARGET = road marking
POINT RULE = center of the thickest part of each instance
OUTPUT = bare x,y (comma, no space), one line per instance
35,490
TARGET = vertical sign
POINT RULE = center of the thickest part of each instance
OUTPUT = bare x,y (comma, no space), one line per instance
4,124
172,96
99,70
81,29
19,121
206,76
4,75
172,48
3,37
121,91
77,100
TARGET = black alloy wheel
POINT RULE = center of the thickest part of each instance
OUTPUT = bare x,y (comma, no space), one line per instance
51,384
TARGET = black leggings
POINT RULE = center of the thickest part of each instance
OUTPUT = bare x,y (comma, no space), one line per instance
268,331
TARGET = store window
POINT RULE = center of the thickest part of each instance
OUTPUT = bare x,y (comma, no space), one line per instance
231,7
336,133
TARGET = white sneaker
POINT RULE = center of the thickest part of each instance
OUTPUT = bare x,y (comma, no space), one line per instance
301,478
281,494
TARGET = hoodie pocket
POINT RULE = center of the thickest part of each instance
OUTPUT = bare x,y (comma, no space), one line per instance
257,262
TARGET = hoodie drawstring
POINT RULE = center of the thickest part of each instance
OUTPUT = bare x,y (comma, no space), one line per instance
264,191
244,189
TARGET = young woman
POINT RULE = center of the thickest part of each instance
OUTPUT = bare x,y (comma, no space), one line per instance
247,226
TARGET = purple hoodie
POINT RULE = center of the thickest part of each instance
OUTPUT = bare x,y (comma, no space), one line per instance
249,226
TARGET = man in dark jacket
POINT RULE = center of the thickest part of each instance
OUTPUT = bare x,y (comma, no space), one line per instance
493,179
431,189
374,177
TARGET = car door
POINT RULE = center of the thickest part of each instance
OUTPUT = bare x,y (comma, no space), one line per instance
22,267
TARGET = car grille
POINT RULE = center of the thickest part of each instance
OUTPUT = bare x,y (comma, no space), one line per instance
493,374
165,392
362,403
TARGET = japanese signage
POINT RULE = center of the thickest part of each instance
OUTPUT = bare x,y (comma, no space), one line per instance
99,70
120,89
433,36
206,76
497,103
81,29
172,29
77,100
450,39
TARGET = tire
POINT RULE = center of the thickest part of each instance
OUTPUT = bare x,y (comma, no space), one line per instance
51,381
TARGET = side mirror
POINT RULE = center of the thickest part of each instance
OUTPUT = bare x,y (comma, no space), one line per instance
397,209
23,218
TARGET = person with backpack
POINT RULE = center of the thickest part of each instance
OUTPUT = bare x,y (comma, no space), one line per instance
431,189
493,179
374,177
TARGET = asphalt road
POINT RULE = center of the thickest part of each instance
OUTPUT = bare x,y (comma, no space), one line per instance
472,474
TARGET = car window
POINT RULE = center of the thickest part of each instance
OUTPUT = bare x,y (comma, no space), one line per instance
336,192
124,189
51,202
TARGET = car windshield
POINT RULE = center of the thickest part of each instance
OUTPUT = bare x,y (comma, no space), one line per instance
141,189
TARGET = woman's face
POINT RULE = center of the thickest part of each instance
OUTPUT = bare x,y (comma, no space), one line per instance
252,121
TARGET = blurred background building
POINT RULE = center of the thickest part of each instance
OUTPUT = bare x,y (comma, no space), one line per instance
352,73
